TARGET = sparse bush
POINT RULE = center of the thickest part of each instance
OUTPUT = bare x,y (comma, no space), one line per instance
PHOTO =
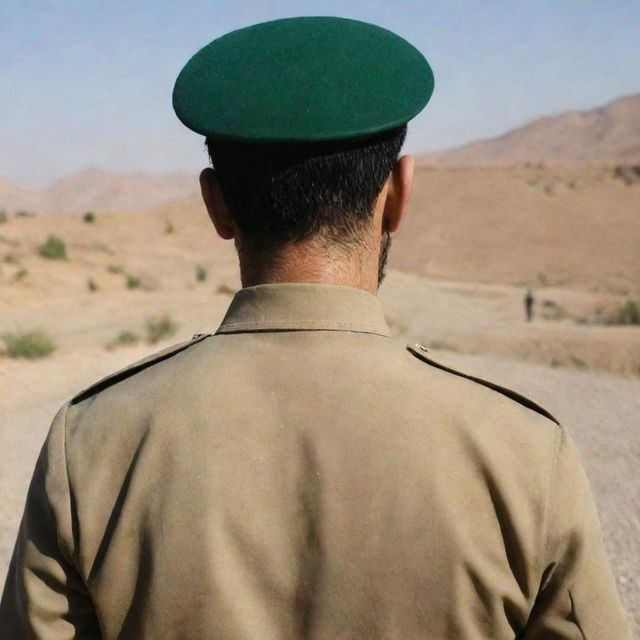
25,214
3,216
160,327
577,362
89,217
28,344
114,268
627,173
551,310
124,338
92,285
10,258
168,227
53,249
627,314
20,274
201,273
226,290
131,281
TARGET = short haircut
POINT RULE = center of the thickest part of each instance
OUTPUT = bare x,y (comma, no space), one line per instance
288,192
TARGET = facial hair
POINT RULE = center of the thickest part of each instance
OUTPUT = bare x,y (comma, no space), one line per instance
385,244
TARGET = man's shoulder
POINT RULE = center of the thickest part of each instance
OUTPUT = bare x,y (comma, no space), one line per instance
136,367
421,353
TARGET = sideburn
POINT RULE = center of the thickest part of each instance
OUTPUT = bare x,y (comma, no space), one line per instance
385,245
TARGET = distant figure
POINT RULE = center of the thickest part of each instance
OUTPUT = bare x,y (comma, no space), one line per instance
528,305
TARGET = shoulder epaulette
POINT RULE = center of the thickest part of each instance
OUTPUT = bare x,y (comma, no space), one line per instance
420,352
136,367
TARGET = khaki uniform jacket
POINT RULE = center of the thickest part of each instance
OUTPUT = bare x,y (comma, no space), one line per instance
301,475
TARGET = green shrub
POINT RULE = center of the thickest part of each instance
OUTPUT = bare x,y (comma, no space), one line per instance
124,338
28,344
577,362
53,249
201,273
168,227
89,217
132,282
10,258
160,327
225,289
627,173
551,310
21,273
627,314
92,285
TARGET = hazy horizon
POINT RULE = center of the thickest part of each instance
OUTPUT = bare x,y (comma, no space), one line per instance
88,84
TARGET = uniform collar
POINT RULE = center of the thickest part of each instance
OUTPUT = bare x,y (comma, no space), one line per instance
304,307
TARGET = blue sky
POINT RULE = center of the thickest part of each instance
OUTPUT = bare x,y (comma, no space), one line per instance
88,82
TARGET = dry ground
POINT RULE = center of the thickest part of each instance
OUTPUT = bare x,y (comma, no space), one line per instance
563,364
573,227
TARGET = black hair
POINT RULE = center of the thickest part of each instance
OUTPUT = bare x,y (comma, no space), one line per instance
280,193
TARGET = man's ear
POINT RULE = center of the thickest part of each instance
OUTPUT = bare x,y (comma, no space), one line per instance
216,205
398,190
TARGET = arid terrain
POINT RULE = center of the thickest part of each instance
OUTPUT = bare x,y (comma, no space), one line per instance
121,285
609,134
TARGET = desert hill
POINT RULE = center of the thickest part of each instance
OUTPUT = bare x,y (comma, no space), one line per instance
100,191
606,135
527,226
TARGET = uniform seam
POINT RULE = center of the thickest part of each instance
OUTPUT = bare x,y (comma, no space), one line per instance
295,323
136,367
312,326
505,391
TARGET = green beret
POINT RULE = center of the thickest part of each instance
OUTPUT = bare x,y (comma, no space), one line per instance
302,79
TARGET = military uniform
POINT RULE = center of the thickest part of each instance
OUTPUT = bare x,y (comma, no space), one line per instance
299,474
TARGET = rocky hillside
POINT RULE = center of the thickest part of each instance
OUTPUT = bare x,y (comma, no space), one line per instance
606,135
99,191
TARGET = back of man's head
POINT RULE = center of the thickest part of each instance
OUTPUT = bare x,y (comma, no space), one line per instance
285,193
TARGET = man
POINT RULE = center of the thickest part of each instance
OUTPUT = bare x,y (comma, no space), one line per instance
528,305
298,474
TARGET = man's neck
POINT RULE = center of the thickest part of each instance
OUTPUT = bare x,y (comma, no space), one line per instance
313,262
